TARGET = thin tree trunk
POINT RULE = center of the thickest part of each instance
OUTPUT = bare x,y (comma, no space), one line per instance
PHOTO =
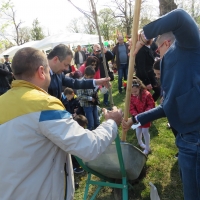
102,47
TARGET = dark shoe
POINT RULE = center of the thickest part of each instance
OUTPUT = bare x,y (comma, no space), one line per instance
76,185
176,155
106,104
78,170
120,92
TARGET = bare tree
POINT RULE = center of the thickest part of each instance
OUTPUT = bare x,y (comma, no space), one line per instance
24,35
88,26
123,10
107,23
9,15
74,25
192,7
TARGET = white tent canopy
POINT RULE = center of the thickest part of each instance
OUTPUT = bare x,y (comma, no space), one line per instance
72,39
11,51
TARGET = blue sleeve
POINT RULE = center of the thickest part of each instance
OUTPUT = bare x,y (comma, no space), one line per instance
77,83
151,115
180,23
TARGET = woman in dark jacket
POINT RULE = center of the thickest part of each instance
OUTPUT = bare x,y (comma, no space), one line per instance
144,69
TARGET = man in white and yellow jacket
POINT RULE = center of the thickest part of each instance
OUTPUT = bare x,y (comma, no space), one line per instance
36,134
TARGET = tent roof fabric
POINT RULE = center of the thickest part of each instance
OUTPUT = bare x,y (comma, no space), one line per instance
72,39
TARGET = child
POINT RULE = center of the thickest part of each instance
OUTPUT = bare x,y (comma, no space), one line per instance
89,100
71,102
82,121
141,101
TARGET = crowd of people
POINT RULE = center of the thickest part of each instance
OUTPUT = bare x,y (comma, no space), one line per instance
51,107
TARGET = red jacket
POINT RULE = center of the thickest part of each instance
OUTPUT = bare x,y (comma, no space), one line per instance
82,69
138,106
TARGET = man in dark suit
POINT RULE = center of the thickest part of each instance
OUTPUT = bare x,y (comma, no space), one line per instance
7,62
80,57
180,81
59,59
8,66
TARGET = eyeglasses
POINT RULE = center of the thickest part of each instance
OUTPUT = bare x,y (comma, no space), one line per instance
158,49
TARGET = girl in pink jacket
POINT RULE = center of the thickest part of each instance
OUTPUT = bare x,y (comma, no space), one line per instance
141,101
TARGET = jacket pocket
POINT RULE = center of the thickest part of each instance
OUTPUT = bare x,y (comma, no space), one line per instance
189,106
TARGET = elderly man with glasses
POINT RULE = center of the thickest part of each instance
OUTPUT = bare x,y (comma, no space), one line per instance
180,80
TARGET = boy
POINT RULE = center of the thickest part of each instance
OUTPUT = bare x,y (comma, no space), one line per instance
89,100
71,102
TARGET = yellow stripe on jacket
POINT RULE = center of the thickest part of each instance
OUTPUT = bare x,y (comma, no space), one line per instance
24,98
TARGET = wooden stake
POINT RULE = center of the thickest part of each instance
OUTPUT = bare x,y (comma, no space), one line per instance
131,61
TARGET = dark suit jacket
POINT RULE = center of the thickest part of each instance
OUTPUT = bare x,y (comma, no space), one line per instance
144,66
59,80
76,58
180,72
4,82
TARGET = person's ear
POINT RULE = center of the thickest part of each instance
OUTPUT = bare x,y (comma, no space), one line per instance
167,43
41,72
55,58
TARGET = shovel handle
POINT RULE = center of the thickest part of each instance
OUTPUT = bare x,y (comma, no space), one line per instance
134,39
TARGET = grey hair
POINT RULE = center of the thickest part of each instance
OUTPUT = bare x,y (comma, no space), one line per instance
165,36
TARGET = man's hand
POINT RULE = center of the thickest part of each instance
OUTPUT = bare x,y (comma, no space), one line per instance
103,81
126,125
115,114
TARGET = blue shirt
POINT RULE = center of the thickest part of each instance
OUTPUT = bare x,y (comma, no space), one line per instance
122,54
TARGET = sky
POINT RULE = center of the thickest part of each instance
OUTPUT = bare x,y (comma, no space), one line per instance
54,15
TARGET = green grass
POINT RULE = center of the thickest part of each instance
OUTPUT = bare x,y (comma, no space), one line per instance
161,167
